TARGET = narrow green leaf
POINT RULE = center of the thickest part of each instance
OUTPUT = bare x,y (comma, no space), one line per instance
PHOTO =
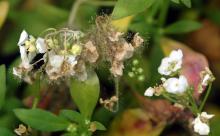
41,120
187,3
85,94
125,8
2,85
99,126
183,26
5,132
72,116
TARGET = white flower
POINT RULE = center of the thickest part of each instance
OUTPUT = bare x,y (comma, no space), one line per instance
172,63
23,37
149,92
176,85
207,77
55,62
207,116
26,55
71,59
25,61
201,123
40,45
201,128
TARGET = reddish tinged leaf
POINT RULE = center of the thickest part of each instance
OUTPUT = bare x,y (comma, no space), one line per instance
193,62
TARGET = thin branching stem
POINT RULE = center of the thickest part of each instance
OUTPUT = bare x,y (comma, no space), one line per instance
73,12
116,93
205,98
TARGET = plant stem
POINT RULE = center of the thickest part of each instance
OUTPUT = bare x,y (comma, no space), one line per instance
205,98
35,103
117,93
163,13
73,12
169,98
192,101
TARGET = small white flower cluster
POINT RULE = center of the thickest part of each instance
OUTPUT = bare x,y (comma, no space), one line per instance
29,48
57,55
200,123
175,88
170,66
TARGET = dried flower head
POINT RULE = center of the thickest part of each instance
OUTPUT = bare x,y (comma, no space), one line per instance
22,130
109,103
111,45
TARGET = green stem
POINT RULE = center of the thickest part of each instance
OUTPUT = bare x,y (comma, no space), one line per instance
163,13
73,12
169,98
117,93
205,98
182,103
35,103
192,101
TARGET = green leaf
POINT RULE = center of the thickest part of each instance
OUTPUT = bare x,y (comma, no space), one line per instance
99,126
11,103
72,116
2,85
187,3
214,125
176,1
70,134
85,94
183,26
214,15
5,132
125,8
7,120
41,120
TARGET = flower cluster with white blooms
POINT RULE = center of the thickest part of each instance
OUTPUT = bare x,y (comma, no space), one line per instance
67,53
176,89
57,57
201,123
170,66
